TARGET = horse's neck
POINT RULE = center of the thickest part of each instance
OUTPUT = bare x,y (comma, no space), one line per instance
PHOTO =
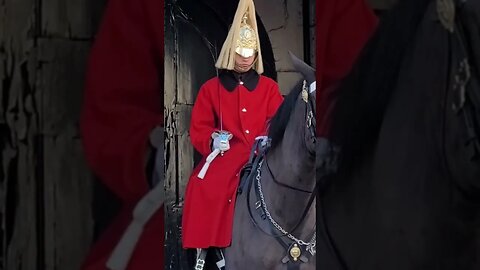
287,205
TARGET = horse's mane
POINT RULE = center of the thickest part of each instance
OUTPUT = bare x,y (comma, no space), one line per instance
279,122
364,94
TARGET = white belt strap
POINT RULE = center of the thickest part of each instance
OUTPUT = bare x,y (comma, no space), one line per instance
209,160
143,212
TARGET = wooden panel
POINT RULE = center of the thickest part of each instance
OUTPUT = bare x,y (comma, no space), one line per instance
180,164
68,183
20,160
172,206
73,19
190,78
186,151
60,82
20,148
179,155
22,248
67,205
45,186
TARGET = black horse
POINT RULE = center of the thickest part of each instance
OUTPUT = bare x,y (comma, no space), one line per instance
407,119
275,220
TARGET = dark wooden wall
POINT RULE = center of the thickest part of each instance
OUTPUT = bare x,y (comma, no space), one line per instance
45,186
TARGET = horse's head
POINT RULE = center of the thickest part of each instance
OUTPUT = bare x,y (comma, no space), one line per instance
308,97
283,181
293,128
461,133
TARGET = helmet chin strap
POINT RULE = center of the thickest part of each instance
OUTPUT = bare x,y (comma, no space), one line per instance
237,69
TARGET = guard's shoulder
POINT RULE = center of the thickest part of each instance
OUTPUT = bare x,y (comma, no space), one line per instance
268,80
210,83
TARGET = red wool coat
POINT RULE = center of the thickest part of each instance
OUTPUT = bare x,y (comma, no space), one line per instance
123,102
343,28
209,202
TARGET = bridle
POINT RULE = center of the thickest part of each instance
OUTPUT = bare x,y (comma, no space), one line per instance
294,249
310,125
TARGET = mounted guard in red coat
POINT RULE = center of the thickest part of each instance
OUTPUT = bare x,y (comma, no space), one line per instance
230,113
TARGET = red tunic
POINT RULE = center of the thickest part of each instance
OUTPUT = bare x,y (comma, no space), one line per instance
209,203
343,28
123,102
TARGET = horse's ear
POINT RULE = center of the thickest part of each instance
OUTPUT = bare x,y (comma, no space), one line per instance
307,71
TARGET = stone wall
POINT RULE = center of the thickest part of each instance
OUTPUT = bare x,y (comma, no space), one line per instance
284,23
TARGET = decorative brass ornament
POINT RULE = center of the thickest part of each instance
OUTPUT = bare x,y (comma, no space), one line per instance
446,14
309,119
305,92
295,252
461,79
247,41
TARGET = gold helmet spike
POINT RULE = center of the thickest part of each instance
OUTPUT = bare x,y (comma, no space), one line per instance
242,39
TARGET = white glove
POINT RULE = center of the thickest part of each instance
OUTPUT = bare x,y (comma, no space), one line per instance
264,140
221,140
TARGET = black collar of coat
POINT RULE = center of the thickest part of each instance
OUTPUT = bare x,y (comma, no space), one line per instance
230,79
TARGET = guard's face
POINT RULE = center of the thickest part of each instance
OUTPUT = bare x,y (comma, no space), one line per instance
243,64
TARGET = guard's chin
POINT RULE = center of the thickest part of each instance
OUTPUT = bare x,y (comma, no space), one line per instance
242,69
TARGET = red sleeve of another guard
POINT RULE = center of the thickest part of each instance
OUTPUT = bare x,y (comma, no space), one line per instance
123,98
343,28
